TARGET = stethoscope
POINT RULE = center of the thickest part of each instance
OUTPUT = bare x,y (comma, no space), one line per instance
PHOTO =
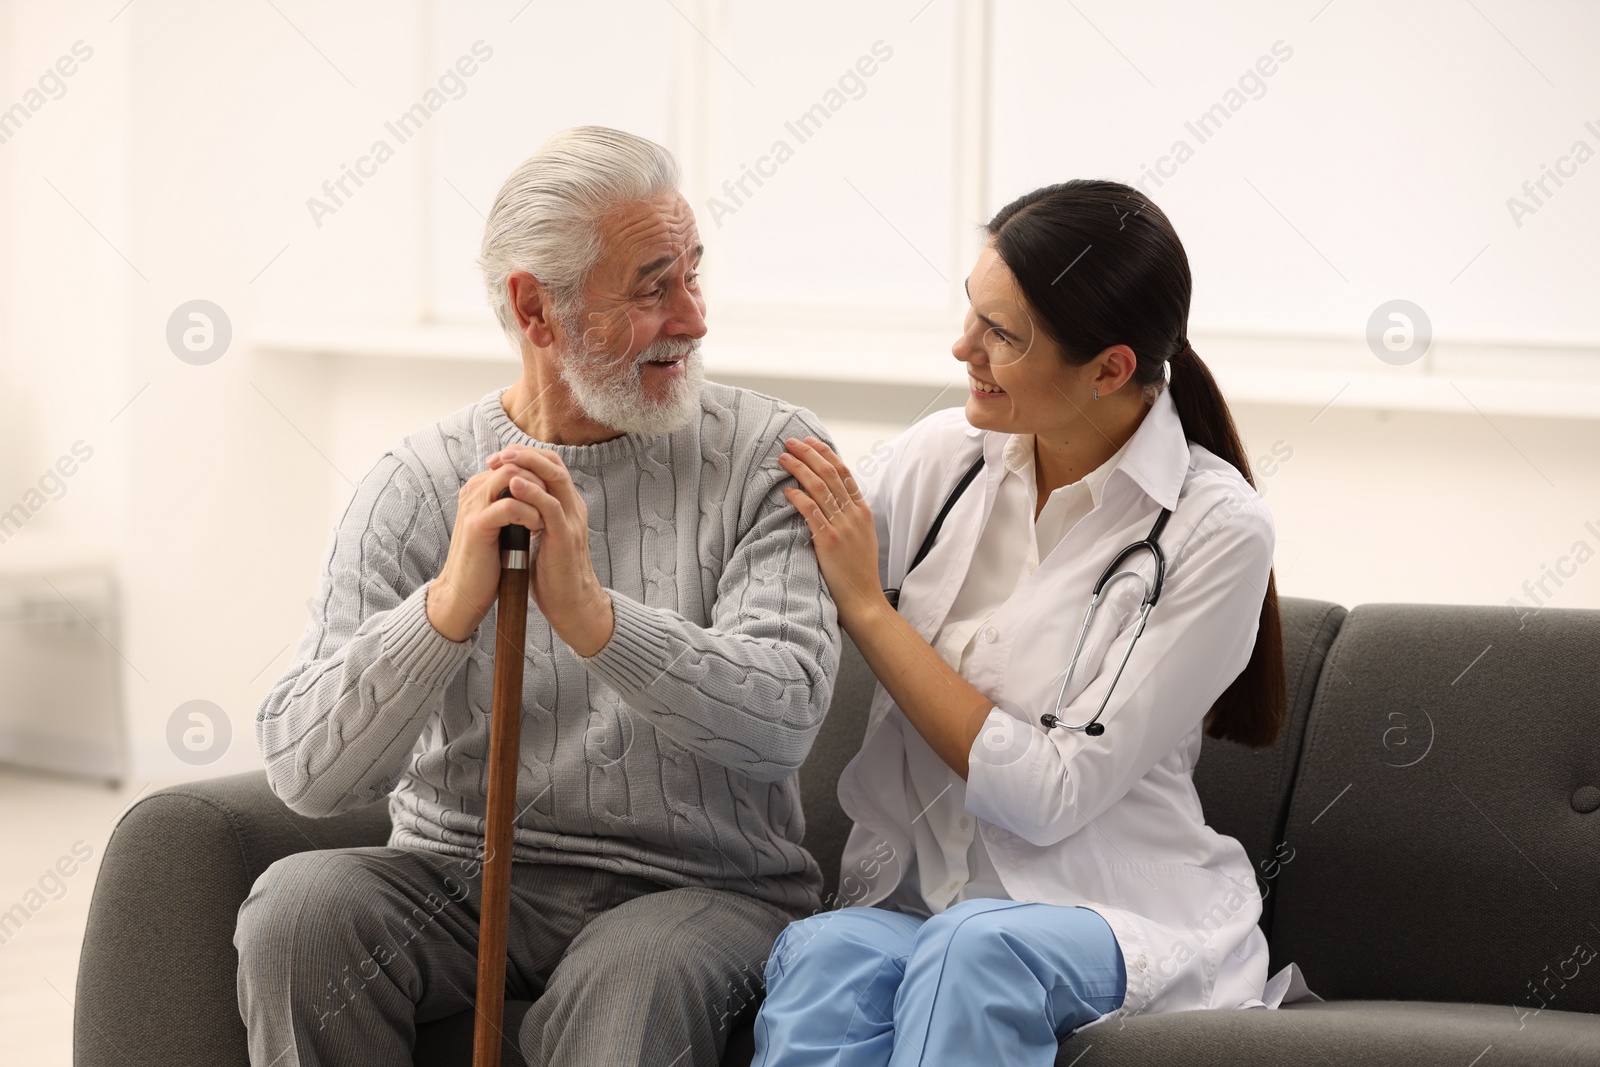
1152,593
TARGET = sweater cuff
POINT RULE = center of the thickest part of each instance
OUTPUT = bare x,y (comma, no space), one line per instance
422,654
636,656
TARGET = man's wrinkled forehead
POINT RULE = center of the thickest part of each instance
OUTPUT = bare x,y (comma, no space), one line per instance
647,238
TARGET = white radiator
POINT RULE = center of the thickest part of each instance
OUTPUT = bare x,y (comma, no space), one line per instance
61,674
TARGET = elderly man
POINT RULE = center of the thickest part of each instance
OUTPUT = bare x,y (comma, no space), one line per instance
681,654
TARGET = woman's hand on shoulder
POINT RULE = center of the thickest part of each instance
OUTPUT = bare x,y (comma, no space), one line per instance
841,524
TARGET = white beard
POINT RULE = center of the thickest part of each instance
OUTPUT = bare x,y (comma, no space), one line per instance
616,397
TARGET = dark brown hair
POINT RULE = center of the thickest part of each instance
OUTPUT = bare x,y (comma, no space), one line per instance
1101,265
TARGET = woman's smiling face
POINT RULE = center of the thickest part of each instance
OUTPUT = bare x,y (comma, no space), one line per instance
1005,350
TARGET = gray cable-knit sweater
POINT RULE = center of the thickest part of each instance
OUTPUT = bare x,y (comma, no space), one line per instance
671,753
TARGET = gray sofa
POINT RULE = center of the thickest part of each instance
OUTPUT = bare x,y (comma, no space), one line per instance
1425,831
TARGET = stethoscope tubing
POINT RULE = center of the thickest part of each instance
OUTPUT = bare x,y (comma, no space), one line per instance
1152,593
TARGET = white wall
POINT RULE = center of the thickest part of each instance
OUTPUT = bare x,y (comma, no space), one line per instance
1380,156
1374,161
65,305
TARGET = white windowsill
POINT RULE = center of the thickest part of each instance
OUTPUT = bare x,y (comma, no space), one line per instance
913,349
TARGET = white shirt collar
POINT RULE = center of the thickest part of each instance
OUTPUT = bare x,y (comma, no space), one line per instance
1158,453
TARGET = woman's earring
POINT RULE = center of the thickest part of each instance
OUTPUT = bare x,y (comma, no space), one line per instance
1097,394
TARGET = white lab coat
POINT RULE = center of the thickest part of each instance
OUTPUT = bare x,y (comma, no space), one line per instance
1113,822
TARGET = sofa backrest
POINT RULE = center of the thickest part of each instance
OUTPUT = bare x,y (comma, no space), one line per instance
1243,792
1444,825
840,738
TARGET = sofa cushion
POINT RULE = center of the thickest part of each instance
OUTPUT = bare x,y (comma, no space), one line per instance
447,1042
1244,792
1350,1033
1442,850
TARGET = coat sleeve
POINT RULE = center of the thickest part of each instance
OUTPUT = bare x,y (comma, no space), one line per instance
883,477
1045,786
875,476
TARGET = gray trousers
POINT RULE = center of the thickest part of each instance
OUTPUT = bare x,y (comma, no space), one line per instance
342,952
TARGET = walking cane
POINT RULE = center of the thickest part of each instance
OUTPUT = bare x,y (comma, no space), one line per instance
505,729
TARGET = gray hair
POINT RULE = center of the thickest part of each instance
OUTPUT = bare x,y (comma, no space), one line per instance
546,217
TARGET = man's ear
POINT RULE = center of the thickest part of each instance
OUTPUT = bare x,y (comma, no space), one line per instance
531,305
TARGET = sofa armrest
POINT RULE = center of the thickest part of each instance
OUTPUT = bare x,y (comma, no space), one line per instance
157,975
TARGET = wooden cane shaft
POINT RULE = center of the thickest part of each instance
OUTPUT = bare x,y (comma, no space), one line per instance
505,732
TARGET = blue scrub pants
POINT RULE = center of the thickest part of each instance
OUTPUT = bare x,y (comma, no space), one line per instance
985,981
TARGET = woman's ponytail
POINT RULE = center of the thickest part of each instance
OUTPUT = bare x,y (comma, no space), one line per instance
1133,288
1251,710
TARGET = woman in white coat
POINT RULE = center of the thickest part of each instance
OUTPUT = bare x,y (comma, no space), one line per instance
1020,866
